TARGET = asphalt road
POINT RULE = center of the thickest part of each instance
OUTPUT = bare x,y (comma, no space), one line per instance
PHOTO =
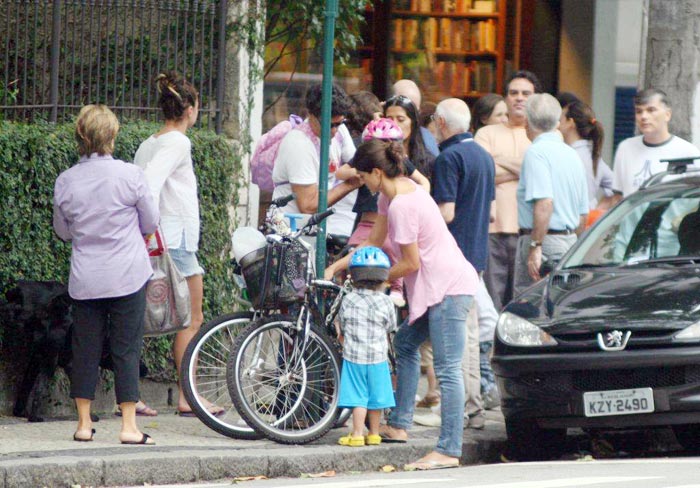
631,473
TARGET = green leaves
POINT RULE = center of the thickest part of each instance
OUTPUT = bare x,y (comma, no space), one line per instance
33,155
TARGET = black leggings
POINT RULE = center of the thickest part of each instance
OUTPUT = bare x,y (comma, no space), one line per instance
121,319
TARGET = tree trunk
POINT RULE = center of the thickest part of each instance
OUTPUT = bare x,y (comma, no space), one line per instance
673,61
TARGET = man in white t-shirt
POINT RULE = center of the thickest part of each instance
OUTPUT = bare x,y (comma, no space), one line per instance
296,168
637,158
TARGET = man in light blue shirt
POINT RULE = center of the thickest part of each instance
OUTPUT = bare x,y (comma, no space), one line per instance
552,193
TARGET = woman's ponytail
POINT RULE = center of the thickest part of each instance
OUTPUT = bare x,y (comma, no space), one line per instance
588,128
395,157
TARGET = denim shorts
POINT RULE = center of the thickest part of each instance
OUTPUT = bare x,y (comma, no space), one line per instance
186,262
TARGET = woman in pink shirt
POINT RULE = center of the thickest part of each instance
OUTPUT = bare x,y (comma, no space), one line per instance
440,284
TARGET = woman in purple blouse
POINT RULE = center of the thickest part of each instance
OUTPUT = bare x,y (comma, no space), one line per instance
104,207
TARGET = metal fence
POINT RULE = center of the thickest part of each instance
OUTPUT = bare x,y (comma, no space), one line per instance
58,55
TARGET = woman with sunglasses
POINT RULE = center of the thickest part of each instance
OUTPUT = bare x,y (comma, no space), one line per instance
297,164
404,112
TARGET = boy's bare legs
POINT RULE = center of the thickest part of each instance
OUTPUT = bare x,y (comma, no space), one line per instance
358,421
374,416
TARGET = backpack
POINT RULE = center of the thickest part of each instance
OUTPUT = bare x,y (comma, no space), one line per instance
263,159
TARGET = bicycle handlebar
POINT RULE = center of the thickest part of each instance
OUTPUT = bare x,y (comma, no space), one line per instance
282,201
319,217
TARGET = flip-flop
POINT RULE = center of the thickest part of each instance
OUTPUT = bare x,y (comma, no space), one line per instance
145,438
78,439
392,440
144,411
219,413
430,465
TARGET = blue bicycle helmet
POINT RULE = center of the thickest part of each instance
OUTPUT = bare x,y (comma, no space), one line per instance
369,264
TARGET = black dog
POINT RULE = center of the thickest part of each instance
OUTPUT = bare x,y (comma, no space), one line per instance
41,312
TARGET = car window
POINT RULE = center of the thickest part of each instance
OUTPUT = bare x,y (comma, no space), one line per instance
640,229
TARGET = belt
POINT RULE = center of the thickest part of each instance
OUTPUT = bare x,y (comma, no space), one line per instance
551,232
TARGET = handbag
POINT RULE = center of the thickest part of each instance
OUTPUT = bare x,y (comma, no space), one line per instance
168,306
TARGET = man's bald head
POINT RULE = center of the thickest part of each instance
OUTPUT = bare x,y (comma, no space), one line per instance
408,89
455,114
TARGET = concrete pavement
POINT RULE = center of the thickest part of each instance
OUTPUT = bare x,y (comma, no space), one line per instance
44,454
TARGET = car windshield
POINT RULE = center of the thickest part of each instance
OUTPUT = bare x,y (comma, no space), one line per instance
658,225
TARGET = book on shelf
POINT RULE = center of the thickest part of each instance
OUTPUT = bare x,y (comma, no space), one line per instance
397,31
459,78
430,33
446,34
483,7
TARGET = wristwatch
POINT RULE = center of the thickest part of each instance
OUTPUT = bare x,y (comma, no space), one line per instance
534,244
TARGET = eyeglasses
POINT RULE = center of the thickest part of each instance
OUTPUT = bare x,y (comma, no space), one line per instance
335,125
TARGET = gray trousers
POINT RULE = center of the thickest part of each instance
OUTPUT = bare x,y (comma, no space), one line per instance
553,247
498,276
470,366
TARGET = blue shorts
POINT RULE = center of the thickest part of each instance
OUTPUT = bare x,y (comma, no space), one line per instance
366,385
186,262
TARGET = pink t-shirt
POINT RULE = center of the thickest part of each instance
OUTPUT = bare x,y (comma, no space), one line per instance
444,271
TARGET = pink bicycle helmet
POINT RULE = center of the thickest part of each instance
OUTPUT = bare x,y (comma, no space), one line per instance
385,129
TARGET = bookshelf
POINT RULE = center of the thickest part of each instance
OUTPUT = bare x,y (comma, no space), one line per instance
451,48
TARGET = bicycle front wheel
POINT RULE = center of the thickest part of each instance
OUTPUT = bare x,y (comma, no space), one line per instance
203,375
286,397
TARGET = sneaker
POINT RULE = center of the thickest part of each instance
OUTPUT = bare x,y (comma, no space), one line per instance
428,420
492,399
476,421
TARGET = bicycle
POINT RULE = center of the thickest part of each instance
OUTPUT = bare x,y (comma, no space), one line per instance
203,370
204,365
284,373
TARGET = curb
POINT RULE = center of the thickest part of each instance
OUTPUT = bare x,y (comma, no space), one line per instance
101,467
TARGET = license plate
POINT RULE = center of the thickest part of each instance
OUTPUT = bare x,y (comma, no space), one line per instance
618,402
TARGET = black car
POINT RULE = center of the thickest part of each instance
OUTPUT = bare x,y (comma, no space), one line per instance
611,337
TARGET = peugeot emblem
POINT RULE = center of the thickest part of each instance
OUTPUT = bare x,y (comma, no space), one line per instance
614,340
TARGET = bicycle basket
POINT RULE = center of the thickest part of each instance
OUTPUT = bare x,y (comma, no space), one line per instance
275,275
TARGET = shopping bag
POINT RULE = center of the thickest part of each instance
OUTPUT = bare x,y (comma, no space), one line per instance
168,306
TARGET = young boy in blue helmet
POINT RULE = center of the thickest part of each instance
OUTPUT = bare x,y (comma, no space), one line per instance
366,316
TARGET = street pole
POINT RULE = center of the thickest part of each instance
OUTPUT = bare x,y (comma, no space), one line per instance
330,15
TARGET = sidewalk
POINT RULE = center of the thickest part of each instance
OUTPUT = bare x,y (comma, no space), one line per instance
44,454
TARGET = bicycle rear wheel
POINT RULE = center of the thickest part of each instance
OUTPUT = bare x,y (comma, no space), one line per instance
203,375
286,400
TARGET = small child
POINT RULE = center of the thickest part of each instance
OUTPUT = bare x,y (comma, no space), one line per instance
366,316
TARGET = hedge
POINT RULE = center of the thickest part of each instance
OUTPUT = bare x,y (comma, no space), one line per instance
32,156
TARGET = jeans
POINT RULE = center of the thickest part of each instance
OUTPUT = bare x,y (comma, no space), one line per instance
488,379
444,323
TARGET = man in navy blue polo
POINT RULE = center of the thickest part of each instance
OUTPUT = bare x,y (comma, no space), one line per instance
463,187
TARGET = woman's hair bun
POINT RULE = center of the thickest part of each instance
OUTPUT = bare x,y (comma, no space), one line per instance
176,94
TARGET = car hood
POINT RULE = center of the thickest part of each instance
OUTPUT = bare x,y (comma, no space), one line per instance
582,300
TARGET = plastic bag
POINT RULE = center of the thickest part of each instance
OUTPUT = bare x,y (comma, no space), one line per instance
168,306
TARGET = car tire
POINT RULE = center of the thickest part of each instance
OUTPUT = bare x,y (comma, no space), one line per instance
688,436
527,441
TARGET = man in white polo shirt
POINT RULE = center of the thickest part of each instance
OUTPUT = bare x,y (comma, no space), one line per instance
637,158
